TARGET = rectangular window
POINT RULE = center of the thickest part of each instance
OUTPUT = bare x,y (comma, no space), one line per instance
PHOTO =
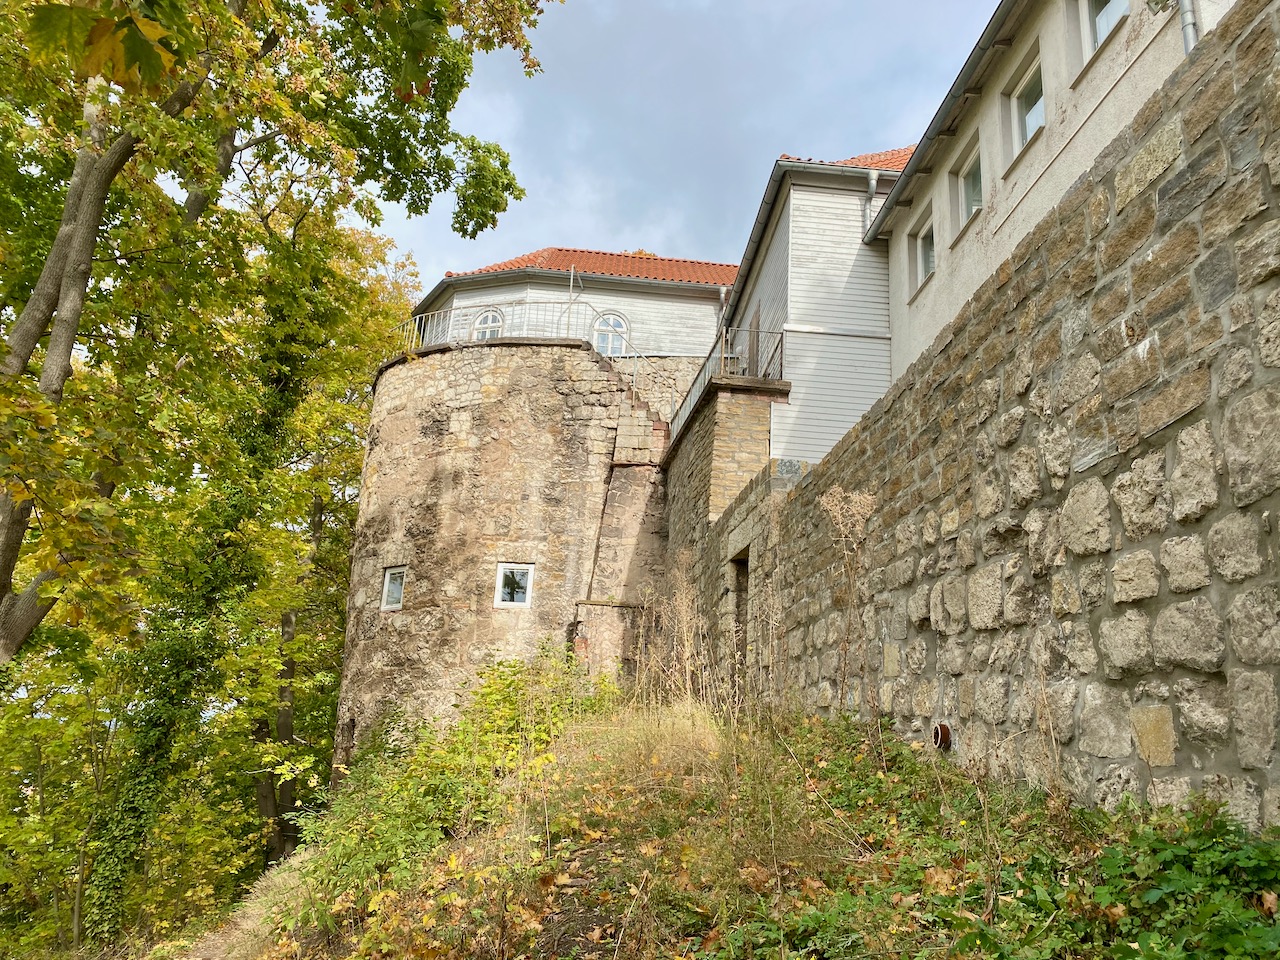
393,588
514,587
966,188
923,251
1029,106
1104,15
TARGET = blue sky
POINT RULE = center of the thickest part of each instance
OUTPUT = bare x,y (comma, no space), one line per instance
655,123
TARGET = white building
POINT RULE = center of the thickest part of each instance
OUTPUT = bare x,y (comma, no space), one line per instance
1049,84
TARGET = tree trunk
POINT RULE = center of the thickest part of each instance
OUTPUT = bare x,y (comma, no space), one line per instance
286,800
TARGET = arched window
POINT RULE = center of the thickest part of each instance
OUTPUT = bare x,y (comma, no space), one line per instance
611,335
488,325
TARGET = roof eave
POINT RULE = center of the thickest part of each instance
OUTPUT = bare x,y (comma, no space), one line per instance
560,276
940,119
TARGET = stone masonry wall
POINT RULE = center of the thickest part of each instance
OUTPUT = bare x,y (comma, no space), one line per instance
499,451
1073,561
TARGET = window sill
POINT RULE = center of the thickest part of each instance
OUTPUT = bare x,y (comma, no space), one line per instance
1098,52
1023,151
920,289
960,234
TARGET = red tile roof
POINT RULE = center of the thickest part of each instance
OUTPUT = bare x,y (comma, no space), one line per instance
884,160
641,266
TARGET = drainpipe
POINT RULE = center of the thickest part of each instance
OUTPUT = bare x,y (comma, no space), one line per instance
1190,32
873,178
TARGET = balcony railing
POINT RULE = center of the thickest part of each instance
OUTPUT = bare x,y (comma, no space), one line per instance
738,352
538,319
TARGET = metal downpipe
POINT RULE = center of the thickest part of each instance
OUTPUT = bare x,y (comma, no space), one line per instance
1190,30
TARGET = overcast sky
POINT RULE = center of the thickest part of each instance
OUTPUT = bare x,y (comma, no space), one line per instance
655,123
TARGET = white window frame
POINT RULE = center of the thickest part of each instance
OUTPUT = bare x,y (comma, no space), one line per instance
1092,9
611,328
484,326
964,211
388,575
503,569
923,240
1023,132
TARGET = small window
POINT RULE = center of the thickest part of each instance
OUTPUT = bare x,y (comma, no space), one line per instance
488,325
923,252
393,588
515,585
1029,106
1104,15
611,335
966,186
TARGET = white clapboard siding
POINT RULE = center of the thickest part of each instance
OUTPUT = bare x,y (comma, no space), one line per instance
768,291
838,282
834,381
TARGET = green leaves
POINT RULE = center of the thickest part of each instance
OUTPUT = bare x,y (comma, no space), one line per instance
132,51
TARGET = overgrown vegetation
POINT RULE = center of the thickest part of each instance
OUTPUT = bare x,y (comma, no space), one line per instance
556,822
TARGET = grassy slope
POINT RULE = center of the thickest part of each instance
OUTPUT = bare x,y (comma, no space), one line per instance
662,832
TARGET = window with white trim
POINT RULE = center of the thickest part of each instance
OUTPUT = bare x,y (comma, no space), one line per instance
610,335
488,325
393,588
966,187
924,254
1104,17
514,586
1028,106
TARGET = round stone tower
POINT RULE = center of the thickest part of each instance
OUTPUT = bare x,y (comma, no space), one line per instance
508,486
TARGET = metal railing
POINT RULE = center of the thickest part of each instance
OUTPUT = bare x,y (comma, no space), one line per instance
574,319
738,352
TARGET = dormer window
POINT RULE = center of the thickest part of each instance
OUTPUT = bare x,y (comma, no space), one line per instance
610,335
488,325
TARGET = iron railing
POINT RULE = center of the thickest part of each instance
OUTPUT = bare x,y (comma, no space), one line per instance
738,352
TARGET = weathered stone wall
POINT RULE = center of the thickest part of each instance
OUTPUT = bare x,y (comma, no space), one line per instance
661,382
499,451
1073,558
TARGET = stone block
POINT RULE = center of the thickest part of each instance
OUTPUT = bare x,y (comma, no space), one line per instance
1081,653
1113,785
1044,541
1125,644
1153,730
1254,623
1024,478
988,493
1185,564
992,702
892,665
1253,715
1269,332
1188,189
1172,792
947,610
1174,401
1056,448
1215,277
1135,368
1203,708
1080,378
1238,795
1141,497
1251,438
1235,370
1190,634
1159,153
986,597
1234,547
1258,256
1105,730
1008,426
918,606
1085,519
1135,577
1194,485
